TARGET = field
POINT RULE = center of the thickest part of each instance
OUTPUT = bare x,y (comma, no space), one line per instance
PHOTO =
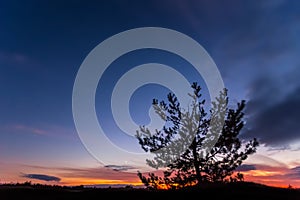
231,191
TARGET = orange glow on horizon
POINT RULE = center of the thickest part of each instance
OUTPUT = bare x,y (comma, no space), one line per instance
84,181
261,173
270,178
266,180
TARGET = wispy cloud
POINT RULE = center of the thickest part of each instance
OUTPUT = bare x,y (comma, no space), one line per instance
27,129
276,176
13,57
120,167
99,173
45,130
110,174
42,177
245,168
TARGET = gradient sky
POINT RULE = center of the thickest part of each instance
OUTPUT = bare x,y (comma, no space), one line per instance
255,45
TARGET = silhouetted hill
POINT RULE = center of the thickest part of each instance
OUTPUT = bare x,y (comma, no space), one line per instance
245,190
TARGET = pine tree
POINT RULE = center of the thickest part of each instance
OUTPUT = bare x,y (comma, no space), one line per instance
195,146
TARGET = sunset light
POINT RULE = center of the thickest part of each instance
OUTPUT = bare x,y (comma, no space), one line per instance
150,94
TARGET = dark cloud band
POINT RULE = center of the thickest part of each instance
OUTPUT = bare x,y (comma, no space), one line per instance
42,177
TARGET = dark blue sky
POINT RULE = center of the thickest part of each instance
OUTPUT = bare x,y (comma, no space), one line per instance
255,45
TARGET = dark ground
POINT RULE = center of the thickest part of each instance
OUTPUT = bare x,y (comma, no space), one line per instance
231,191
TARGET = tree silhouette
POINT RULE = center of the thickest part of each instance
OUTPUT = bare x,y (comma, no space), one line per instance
195,146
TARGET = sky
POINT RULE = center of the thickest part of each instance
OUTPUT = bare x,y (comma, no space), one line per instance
43,44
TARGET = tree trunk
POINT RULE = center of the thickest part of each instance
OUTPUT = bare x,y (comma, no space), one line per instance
196,162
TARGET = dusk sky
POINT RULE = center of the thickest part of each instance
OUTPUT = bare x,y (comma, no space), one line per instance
255,45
